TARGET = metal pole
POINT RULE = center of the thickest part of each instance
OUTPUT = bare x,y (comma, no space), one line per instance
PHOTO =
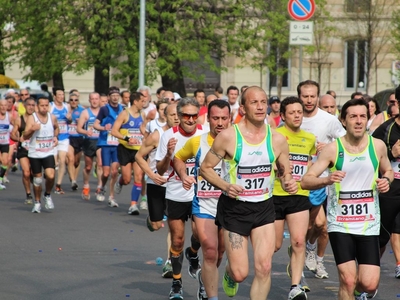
142,42
301,64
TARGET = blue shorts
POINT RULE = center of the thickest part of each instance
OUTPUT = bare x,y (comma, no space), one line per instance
317,197
109,155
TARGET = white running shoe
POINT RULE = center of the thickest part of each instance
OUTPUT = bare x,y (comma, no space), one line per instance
100,195
320,271
48,202
143,205
118,186
133,210
2,186
111,202
311,260
36,207
5,180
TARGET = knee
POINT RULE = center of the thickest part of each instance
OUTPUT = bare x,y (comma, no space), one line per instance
114,173
177,243
26,173
106,173
349,281
88,168
298,243
210,253
263,269
125,180
278,245
239,274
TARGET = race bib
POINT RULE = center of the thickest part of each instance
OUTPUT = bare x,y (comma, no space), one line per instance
190,168
62,126
205,189
355,207
137,135
396,168
299,163
25,144
254,179
4,140
112,140
72,129
44,144
95,133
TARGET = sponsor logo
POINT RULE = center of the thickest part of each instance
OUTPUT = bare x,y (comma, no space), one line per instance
191,160
255,153
131,123
360,158
355,195
341,154
254,169
298,157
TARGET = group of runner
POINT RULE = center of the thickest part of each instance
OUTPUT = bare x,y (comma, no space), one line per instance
233,177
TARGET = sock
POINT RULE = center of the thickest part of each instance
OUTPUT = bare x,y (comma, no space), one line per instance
135,192
176,262
86,185
311,247
213,298
3,170
46,194
28,195
320,259
195,245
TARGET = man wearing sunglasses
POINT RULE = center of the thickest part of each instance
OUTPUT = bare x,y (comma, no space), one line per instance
383,116
23,95
179,200
75,138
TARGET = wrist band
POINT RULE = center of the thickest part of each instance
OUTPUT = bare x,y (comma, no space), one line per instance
387,178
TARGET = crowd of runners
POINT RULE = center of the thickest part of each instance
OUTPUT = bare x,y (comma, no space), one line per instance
237,166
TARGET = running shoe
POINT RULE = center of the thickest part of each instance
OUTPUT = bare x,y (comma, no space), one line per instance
5,180
28,200
167,269
74,186
363,296
95,170
304,284
58,190
397,272
111,202
2,186
311,260
100,194
194,264
201,291
229,285
143,204
176,292
118,186
320,271
133,210
297,293
148,224
86,193
36,208
14,168
48,202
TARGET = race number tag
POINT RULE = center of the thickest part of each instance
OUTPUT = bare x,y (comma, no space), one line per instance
25,144
396,168
63,126
356,207
112,140
72,129
4,134
190,168
95,133
254,179
135,133
44,144
205,189
300,163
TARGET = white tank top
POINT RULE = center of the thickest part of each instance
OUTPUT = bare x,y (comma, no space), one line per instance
152,158
5,130
41,142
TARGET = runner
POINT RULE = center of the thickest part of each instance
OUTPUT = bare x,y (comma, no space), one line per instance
128,129
23,147
156,183
89,147
294,208
248,151
353,207
13,114
159,122
204,208
178,200
5,120
42,131
108,143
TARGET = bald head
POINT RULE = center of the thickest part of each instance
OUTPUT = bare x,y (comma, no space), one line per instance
328,104
250,91
211,98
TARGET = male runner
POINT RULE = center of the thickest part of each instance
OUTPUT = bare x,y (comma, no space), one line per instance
86,127
204,207
42,130
248,150
5,121
353,207
179,201
23,146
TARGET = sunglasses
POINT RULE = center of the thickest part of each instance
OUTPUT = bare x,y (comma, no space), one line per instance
186,117
169,99
24,94
392,101
73,100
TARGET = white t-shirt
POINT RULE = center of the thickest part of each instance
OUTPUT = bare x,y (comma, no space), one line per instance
153,125
175,190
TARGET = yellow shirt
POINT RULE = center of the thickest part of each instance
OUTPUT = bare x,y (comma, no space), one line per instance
191,147
301,147
21,109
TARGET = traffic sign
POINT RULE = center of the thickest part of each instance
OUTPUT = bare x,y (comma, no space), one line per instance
301,10
301,33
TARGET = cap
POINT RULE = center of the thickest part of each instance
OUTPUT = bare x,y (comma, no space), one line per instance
274,99
113,90
177,96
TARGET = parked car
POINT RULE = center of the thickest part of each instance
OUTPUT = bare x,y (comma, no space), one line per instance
382,97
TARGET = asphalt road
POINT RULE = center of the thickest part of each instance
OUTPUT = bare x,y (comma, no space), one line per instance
86,250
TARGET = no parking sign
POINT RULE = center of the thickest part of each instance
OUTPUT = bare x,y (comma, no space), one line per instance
301,10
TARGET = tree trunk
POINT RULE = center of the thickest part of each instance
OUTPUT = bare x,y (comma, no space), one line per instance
175,83
101,79
58,80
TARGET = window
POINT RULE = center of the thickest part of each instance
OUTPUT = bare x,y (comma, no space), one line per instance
355,6
356,63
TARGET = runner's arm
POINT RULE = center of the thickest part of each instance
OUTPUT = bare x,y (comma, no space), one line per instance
14,135
81,122
30,128
117,125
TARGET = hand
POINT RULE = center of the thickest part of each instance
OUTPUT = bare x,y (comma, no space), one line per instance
336,176
36,126
158,179
320,146
107,126
383,185
234,190
396,149
133,141
290,186
89,132
171,146
68,115
187,182
55,141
